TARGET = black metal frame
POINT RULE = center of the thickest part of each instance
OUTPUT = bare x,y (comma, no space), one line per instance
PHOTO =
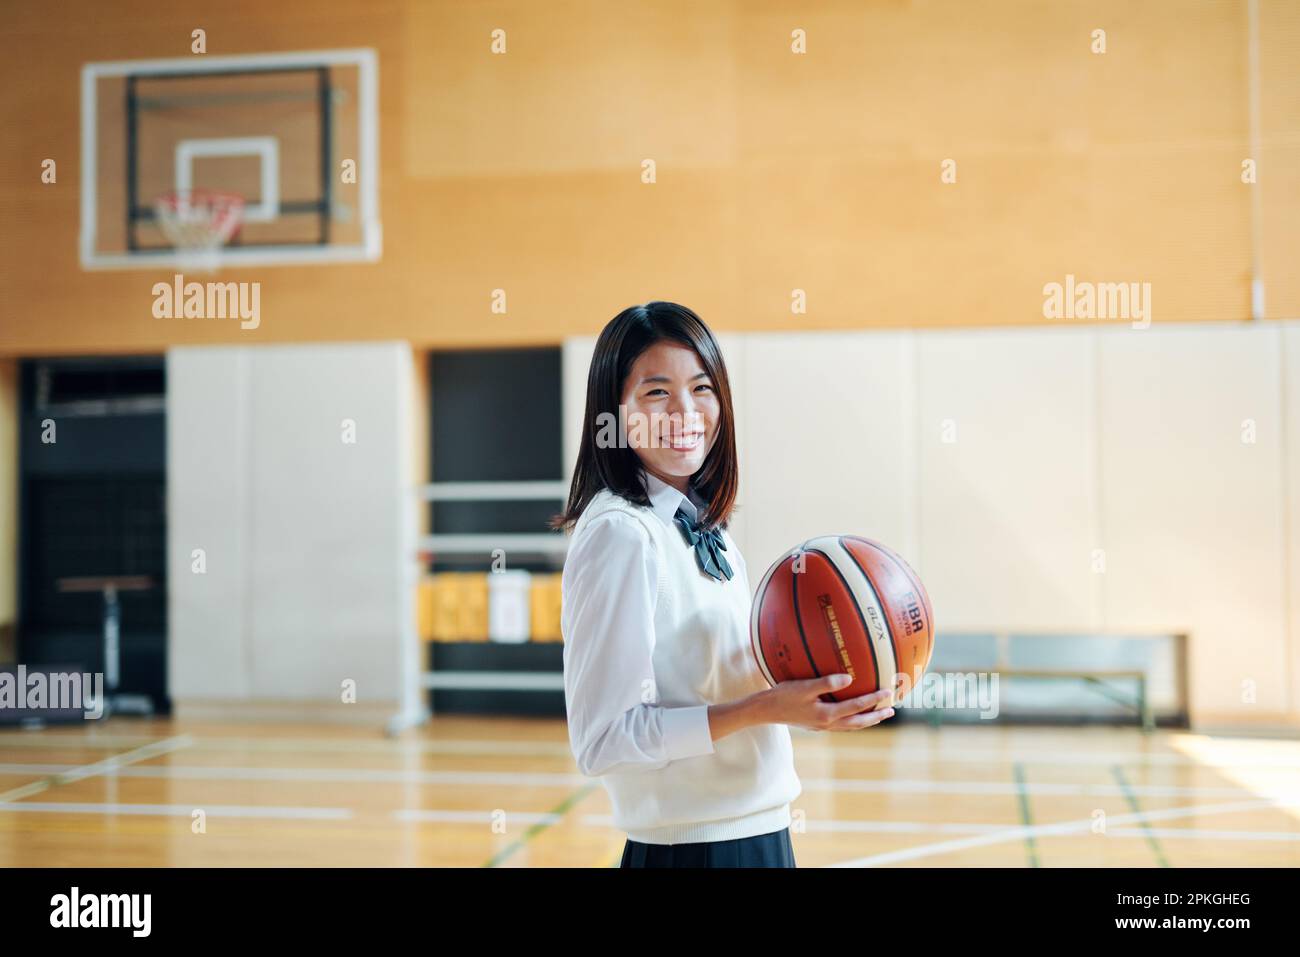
135,213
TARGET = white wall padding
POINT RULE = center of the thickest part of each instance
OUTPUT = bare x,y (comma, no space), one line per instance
1007,478
1192,513
826,421
309,538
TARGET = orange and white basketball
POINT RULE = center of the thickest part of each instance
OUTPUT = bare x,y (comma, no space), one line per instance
843,604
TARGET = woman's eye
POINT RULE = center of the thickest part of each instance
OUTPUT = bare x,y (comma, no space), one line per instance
656,391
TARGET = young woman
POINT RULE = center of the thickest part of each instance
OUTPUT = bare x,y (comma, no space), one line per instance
666,703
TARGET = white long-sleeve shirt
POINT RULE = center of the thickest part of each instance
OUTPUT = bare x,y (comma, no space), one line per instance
650,641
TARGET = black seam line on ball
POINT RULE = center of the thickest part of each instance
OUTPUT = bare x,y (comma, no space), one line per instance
798,620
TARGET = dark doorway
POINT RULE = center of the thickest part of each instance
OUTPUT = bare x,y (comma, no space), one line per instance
92,475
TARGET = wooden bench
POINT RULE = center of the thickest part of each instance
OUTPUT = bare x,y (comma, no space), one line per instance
1141,703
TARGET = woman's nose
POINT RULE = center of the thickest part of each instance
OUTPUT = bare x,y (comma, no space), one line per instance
683,405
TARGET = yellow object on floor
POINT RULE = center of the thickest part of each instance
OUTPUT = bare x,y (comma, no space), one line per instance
544,600
459,606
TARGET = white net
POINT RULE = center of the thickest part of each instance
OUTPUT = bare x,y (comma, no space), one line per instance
199,222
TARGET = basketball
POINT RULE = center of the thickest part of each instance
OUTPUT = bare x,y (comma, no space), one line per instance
843,604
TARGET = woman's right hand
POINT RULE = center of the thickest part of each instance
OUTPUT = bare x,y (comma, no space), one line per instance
799,703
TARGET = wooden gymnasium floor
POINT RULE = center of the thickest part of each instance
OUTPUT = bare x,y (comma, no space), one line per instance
505,793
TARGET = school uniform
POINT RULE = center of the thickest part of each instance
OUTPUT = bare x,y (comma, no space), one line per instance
656,630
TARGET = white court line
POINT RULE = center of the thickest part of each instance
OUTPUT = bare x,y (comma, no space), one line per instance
920,827
1063,828
115,763
858,827
348,775
998,788
561,780
921,756
1012,832
431,816
808,747
330,745
1175,833
942,827
423,816
180,810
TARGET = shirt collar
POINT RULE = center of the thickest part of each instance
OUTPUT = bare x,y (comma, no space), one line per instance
665,500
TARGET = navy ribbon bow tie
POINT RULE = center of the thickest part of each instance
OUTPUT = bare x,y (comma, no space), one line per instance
708,545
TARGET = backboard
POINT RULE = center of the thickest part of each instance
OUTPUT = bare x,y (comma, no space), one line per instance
295,134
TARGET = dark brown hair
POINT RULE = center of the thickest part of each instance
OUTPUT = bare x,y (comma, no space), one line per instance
625,337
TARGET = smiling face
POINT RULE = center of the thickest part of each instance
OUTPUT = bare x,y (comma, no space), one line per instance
672,412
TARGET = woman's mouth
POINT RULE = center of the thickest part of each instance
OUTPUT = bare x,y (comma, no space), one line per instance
686,442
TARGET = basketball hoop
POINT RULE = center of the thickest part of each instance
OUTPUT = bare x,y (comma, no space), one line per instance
199,222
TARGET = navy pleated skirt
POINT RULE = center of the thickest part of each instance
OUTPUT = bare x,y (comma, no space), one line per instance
762,850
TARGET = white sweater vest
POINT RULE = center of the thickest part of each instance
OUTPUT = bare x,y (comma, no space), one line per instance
702,655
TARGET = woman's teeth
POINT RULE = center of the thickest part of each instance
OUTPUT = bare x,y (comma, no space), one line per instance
685,443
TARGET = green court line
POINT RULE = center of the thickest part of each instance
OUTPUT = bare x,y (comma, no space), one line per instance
106,766
552,816
1136,808
1026,818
